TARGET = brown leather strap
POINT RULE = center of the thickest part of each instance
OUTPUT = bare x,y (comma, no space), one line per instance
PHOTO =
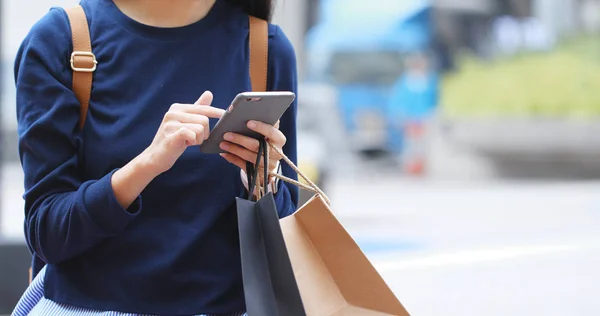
258,44
83,61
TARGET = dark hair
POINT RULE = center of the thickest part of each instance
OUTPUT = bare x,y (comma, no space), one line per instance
261,9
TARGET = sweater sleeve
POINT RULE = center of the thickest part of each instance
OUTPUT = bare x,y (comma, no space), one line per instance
64,215
283,76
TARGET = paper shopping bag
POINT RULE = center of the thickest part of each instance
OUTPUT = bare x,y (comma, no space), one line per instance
333,275
269,284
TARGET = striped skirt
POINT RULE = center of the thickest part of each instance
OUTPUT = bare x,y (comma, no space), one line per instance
33,303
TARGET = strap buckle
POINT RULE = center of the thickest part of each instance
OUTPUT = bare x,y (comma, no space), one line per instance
86,61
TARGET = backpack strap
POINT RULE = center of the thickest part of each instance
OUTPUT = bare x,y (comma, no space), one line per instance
83,61
258,45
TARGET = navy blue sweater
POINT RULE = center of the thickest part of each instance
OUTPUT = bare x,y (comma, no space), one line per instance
175,251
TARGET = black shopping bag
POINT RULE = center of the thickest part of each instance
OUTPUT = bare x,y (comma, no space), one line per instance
269,284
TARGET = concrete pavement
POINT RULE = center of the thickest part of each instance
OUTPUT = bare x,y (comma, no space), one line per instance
480,248
11,201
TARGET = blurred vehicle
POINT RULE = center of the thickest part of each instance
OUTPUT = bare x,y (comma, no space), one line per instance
359,50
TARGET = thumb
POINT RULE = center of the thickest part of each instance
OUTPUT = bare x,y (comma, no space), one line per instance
205,99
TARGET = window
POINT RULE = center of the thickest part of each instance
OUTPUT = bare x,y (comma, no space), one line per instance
366,67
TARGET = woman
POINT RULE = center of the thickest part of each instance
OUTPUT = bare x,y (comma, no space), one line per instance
127,215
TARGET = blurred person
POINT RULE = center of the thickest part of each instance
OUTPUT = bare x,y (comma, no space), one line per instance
414,98
127,215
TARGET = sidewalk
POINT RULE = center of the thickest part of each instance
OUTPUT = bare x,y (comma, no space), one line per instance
11,201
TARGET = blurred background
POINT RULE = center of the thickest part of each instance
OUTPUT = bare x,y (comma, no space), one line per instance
459,141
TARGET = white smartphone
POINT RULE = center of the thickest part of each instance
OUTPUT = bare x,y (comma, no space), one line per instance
266,107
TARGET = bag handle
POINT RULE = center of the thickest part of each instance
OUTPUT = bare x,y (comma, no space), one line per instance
311,185
252,170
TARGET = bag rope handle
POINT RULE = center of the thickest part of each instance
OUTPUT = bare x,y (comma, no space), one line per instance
311,185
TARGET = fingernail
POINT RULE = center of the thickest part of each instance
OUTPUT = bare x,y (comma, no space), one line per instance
228,136
252,124
224,146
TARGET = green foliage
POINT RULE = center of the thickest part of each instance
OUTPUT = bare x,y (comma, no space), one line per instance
563,83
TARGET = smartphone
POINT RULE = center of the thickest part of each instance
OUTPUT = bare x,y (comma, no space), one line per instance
266,107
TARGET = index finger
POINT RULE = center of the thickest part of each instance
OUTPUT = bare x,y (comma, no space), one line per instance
206,110
209,111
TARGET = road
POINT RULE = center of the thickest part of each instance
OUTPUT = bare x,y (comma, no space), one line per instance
482,248
458,247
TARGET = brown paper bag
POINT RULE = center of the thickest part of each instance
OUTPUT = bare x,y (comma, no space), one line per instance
334,276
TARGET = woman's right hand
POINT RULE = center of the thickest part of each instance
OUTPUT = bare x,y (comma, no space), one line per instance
183,125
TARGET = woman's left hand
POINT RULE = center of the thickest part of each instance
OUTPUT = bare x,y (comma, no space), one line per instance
241,149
